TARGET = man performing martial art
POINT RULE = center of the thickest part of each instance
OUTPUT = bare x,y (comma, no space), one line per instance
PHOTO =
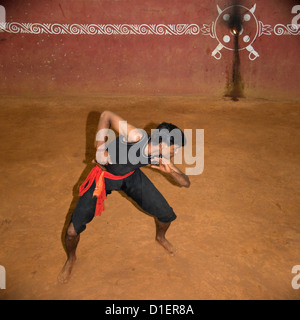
117,167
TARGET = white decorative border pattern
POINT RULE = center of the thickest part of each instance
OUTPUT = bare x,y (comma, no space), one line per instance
102,29
290,29
135,29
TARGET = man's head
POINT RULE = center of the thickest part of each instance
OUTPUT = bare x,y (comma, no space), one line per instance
167,138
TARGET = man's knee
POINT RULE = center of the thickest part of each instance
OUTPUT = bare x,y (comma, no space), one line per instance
167,216
71,232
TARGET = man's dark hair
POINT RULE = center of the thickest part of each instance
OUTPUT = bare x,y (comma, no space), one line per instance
168,133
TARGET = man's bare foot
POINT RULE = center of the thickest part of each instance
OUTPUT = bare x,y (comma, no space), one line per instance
65,273
167,245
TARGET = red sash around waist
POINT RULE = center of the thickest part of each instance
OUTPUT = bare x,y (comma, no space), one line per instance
98,175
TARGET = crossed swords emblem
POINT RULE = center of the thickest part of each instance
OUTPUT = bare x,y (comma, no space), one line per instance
224,31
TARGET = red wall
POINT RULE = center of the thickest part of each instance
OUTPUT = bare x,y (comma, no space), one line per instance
142,64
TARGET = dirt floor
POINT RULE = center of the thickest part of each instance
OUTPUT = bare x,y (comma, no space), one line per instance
238,225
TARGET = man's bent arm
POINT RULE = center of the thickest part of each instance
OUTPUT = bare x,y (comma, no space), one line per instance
173,171
180,178
111,120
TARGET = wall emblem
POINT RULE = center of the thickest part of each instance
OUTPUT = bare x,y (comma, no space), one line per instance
240,21
232,22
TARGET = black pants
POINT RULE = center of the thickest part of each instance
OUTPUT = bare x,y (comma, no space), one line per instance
138,187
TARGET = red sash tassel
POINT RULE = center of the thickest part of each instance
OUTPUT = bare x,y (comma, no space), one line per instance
98,175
